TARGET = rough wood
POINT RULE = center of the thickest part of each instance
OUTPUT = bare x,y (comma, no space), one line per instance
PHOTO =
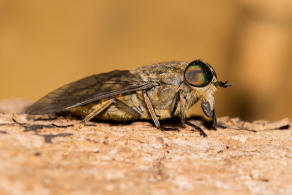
45,157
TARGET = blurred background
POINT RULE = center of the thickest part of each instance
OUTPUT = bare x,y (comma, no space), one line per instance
45,44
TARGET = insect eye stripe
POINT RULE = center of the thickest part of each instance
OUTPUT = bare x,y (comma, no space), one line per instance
195,67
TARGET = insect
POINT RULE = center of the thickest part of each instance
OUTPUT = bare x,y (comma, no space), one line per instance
152,92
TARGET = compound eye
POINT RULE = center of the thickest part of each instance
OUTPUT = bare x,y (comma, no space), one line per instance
198,74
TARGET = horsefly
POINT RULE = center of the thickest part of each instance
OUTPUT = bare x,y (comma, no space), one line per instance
153,92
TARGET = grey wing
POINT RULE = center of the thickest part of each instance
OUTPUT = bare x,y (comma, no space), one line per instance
87,90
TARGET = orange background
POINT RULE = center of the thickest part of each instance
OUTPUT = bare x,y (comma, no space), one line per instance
45,44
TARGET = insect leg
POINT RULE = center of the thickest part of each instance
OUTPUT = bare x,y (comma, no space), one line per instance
98,109
182,109
208,108
153,114
197,128
177,98
151,109
126,108
215,123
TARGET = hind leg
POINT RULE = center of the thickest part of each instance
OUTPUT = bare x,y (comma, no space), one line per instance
98,108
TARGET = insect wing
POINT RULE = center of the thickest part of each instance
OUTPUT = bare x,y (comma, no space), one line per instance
87,90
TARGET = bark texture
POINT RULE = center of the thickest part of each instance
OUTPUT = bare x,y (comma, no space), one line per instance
61,156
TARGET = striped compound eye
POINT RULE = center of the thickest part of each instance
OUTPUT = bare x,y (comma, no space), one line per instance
198,74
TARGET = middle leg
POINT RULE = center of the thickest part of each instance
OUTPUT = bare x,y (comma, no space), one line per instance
153,114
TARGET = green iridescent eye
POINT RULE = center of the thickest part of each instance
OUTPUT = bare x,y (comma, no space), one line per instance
198,74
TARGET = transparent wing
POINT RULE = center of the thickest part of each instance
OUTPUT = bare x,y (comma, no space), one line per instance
87,90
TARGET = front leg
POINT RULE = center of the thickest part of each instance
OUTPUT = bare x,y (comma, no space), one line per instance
180,99
208,108
215,122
